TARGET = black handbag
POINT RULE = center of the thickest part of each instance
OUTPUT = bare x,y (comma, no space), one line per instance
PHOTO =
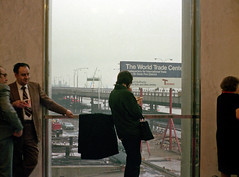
145,132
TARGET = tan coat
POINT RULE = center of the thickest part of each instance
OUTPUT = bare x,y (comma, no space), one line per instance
38,99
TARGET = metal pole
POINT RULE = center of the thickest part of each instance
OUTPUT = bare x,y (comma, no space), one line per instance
165,131
77,78
179,148
170,101
170,120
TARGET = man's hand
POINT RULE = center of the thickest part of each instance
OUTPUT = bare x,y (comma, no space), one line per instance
19,104
69,113
18,134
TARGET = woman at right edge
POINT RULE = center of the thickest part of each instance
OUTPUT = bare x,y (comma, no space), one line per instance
126,115
228,127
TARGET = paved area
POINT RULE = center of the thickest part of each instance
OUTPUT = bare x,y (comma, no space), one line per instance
145,172
157,162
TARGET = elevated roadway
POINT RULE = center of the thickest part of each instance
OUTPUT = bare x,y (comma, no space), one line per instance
149,97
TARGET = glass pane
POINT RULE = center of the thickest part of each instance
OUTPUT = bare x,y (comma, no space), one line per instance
161,156
90,42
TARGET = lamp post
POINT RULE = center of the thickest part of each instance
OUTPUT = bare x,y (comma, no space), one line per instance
76,72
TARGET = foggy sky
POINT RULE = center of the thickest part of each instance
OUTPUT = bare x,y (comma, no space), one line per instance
98,34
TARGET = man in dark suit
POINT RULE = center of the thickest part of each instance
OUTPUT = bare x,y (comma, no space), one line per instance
9,125
27,99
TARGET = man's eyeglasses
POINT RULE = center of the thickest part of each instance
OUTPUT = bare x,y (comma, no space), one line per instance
5,75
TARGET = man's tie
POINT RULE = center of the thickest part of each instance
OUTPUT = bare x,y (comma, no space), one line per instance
28,110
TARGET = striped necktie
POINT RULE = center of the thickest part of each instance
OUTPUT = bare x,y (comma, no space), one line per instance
28,110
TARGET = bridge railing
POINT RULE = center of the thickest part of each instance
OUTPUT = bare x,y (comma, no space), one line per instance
155,97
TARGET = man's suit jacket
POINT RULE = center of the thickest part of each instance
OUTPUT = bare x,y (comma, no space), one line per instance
9,121
38,99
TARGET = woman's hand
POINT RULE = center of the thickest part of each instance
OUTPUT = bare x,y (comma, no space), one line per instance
139,100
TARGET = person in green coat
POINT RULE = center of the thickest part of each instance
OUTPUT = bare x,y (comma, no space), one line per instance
10,126
127,115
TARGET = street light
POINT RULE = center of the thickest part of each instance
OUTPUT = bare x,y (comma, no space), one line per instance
76,75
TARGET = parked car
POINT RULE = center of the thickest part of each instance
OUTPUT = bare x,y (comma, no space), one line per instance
56,128
67,126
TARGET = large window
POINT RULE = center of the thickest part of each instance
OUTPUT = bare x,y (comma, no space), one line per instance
90,42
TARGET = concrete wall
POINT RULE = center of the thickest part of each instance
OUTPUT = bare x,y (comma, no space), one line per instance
219,58
21,40
21,35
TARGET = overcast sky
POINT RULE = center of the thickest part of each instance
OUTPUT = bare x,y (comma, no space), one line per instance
98,34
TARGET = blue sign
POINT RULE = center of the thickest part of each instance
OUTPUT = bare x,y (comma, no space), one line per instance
152,69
